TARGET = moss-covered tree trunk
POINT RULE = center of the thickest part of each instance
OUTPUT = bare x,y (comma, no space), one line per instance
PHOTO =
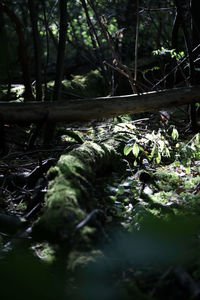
70,198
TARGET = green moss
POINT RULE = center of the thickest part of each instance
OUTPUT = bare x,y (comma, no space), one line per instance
70,165
63,191
83,160
89,85
53,172
78,260
70,191
61,219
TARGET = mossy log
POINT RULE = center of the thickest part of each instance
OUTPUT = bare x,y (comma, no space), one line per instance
71,193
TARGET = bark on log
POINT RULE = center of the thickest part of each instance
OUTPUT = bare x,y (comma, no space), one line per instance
96,108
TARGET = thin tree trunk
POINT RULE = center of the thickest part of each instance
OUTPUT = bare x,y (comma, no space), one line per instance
37,48
94,39
50,128
188,44
195,42
61,49
28,96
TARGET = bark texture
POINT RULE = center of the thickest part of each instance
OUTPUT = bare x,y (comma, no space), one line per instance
96,108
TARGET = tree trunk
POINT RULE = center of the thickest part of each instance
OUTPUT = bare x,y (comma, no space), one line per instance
28,96
188,45
50,127
195,43
37,48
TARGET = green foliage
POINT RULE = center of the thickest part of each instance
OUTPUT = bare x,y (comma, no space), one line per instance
173,54
166,180
158,146
154,146
175,134
190,151
85,41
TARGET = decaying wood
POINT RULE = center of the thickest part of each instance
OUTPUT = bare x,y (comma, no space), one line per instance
96,108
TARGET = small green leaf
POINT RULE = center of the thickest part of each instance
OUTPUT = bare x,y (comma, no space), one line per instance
113,198
127,149
152,152
175,134
121,191
158,158
136,150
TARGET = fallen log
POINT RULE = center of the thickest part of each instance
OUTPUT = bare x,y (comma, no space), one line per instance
70,201
96,108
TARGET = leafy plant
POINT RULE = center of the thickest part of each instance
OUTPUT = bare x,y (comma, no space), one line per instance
154,146
189,151
173,54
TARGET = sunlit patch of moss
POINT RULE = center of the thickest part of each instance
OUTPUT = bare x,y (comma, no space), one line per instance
62,210
70,193
71,165
61,188
91,152
89,85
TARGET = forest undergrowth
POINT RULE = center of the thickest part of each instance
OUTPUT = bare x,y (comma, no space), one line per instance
140,240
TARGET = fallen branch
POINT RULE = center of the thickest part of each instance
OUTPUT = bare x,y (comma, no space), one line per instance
96,108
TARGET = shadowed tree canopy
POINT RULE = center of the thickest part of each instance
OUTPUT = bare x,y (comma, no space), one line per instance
135,46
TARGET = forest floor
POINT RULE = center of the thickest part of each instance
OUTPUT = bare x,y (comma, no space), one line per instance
136,233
